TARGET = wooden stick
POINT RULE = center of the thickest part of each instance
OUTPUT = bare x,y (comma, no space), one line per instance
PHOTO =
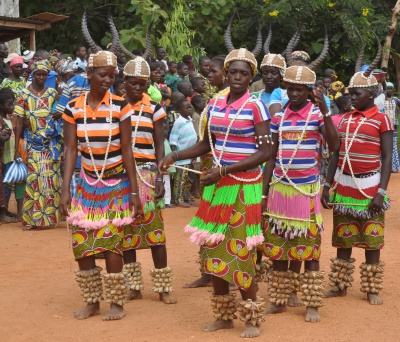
287,218
352,204
185,168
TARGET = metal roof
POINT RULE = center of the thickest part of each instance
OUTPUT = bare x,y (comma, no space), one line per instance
12,28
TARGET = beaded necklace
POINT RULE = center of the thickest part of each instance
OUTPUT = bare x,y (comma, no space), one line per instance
347,147
218,160
280,153
99,176
133,147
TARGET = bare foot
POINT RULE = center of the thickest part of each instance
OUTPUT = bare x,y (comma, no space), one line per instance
374,299
332,294
274,309
217,325
231,288
294,301
312,315
87,311
134,295
116,312
203,281
167,298
250,331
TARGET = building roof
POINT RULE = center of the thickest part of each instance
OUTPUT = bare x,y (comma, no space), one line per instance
12,28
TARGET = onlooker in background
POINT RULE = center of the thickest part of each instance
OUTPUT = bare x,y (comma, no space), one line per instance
160,54
182,136
183,72
171,73
3,65
204,70
187,59
171,170
173,112
119,87
14,80
80,54
199,87
186,89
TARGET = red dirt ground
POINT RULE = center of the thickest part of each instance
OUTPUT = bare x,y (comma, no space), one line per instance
39,294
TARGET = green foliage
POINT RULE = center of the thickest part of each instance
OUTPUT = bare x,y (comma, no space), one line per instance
194,26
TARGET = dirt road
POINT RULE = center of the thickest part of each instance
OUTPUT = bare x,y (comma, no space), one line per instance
39,294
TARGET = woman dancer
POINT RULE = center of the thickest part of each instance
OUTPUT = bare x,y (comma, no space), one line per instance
227,224
291,192
147,231
359,175
107,188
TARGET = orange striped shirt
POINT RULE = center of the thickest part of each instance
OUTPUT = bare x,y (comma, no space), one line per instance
98,128
144,146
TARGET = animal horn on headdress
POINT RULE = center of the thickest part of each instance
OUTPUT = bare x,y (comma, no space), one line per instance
86,34
291,45
114,31
294,40
268,40
115,43
147,51
323,53
360,59
258,47
228,35
376,60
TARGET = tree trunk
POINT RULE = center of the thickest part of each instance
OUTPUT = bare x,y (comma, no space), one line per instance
396,60
389,37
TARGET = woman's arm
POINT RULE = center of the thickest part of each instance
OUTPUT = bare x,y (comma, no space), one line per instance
158,136
269,168
125,127
70,155
18,134
329,179
386,169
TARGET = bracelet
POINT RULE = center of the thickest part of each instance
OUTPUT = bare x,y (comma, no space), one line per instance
175,156
264,196
134,193
327,115
226,170
328,185
381,192
159,179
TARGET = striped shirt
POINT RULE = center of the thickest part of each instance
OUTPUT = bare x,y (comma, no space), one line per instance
304,167
98,125
76,86
183,136
152,112
241,139
365,152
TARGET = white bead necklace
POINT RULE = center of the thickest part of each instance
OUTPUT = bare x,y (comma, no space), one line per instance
347,147
280,157
218,160
99,176
133,147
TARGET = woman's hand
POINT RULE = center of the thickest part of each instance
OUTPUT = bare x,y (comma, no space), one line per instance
165,163
320,100
264,203
325,198
210,176
135,206
376,203
65,203
17,155
159,190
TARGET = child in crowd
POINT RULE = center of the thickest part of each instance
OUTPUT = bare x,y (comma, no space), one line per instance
198,103
182,136
171,170
343,104
171,73
173,113
119,87
199,87
186,89
7,155
183,72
